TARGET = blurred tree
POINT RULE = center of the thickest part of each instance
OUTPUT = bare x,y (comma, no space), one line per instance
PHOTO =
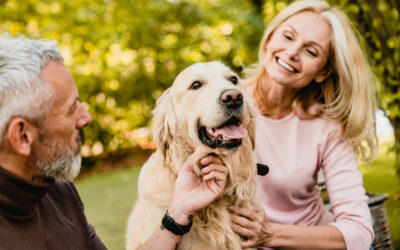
123,54
378,22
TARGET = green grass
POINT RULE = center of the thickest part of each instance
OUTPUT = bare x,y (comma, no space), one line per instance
108,198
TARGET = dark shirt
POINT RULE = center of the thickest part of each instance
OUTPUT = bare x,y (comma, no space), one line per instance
43,216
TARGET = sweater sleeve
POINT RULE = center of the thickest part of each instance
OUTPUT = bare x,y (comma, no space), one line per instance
96,243
349,203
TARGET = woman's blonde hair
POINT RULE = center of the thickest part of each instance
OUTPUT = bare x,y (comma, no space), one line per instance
347,95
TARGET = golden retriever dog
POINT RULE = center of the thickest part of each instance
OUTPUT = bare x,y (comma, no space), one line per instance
204,112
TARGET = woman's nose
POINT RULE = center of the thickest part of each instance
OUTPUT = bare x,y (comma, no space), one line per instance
293,51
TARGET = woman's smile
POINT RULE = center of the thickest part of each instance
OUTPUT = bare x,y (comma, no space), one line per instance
285,65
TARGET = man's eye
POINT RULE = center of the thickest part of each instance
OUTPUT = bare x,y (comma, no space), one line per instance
233,79
195,85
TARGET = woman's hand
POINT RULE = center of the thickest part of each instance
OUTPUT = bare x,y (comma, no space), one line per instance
252,225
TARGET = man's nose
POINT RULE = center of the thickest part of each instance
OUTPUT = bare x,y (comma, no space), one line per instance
84,118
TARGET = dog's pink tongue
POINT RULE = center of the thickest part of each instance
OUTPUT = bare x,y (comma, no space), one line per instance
231,132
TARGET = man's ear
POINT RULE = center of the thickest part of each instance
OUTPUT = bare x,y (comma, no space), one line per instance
21,135
325,73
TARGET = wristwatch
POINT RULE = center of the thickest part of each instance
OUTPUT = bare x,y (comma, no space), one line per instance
169,223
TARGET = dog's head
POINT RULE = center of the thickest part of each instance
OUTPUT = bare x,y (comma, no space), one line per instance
204,107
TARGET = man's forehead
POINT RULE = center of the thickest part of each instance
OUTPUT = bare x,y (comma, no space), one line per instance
55,70
60,80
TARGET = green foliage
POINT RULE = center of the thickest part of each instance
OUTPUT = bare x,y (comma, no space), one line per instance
378,23
124,54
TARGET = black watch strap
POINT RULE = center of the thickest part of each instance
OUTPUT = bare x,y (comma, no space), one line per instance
169,223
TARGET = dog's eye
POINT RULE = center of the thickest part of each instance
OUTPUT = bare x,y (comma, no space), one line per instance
195,85
233,79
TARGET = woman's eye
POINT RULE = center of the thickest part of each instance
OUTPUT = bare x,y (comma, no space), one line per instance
311,52
288,37
195,85
233,79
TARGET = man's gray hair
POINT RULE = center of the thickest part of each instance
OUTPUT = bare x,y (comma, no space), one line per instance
23,90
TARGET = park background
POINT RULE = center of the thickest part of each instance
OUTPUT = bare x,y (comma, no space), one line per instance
124,54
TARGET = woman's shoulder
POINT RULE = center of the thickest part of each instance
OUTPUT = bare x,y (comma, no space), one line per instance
311,119
316,117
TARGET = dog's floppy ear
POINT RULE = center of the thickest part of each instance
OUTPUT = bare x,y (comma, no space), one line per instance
162,122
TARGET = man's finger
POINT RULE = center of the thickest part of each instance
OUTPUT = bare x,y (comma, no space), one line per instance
211,159
215,167
218,176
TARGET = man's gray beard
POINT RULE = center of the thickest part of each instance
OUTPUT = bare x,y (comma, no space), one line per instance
64,168
64,163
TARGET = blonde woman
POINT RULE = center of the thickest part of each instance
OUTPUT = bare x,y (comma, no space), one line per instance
314,90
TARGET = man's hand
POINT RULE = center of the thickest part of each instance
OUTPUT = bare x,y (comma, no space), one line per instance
193,193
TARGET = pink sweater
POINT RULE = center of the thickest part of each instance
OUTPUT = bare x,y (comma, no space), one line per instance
295,149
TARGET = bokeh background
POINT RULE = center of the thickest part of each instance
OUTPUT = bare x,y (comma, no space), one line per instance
124,54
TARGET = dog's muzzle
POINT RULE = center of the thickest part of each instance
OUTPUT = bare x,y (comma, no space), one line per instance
228,134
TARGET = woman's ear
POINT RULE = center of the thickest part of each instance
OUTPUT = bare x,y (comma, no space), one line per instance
325,73
21,135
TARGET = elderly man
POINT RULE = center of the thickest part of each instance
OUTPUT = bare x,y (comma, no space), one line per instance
41,121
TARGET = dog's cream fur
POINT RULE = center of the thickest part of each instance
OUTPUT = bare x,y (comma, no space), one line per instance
175,130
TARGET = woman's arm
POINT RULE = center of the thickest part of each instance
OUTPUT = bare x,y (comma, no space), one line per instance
254,226
352,227
347,198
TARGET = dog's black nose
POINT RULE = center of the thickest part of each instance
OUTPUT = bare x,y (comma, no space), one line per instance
232,98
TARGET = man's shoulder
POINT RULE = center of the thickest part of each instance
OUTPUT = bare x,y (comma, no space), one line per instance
64,192
65,188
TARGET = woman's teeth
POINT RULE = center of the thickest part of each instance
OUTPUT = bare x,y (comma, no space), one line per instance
285,65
